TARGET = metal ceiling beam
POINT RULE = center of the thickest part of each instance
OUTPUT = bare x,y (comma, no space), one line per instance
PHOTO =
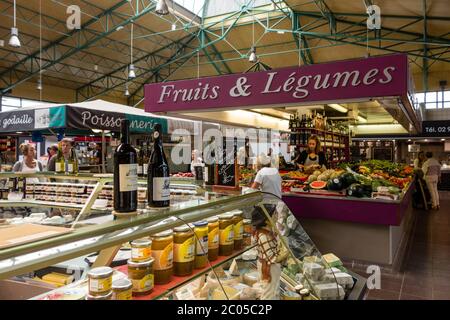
84,38
103,84
425,67
327,14
204,36
305,54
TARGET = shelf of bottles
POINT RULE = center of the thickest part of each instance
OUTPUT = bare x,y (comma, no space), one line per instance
334,136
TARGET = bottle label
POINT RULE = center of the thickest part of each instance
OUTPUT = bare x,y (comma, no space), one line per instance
140,169
202,241
227,235
239,230
70,167
213,238
144,284
163,258
58,167
184,252
128,177
145,168
161,189
205,175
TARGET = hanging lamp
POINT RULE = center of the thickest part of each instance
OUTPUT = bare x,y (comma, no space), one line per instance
14,40
127,92
162,8
131,71
253,58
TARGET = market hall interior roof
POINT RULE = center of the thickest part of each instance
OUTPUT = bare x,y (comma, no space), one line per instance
206,38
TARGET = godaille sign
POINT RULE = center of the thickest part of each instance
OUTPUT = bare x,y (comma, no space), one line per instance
382,76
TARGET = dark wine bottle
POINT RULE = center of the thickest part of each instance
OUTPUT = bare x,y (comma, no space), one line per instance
125,173
210,164
158,180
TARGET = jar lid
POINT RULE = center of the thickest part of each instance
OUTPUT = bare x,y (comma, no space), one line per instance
298,287
141,242
163,234
234,212
237,214
107,296
122,284
141,264
247,221
201,223
226,216
304,292
213,219
100,272
183,228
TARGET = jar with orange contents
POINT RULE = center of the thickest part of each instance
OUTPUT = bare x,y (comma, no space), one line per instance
162,252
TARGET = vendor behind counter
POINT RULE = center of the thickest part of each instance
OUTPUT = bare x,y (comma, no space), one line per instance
312,157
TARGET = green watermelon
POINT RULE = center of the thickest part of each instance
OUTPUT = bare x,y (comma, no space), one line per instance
335,184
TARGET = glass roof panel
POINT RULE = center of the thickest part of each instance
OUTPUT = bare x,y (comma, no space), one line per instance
194,6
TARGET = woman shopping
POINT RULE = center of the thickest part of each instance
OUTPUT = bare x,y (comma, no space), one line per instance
418,163
311,158
29,164
432,173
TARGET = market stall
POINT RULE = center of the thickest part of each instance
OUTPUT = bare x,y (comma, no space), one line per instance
334,101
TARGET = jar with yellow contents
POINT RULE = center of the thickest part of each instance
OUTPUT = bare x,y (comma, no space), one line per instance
213,238
248,231
238,223
141,250
162,252
226,234
201,248
141,275
100,281
122,289
183,251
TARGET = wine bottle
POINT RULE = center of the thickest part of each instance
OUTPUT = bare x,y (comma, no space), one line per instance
140,170
125,173
72,162
210,164
59,163
158,180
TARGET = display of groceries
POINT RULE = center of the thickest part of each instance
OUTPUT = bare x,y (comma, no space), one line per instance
368,179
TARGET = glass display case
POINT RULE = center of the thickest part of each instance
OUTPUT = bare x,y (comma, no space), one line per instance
32,266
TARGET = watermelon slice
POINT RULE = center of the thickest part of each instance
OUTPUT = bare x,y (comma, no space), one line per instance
318,184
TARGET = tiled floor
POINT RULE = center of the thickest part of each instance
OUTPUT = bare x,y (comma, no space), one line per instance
427,268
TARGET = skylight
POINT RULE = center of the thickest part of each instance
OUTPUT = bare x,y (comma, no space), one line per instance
194,6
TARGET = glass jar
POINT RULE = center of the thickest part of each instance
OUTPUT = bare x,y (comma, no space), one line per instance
141,275
141,250
162,252
122,289
213,238
238,227
201,248
107,296
100,281
226,234
183,251
248,227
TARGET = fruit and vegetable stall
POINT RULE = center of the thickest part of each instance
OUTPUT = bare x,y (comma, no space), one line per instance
361,211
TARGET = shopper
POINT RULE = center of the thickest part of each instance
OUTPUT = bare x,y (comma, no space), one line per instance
267,179
66,149
432,171
29,164
418,163
312,157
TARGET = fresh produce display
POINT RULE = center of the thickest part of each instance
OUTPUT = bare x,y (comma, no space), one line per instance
294,175
247,176
372,178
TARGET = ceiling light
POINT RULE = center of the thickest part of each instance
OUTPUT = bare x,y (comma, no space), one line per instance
96,131
39,84
409,140
362,119
442,139
162,8
426,140
14,40
119,28
338,107
96,67
19,132
280,32
174,27
253,58
132,73
127,92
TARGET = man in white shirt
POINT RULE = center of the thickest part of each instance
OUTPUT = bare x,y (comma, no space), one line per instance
267,179
432,173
